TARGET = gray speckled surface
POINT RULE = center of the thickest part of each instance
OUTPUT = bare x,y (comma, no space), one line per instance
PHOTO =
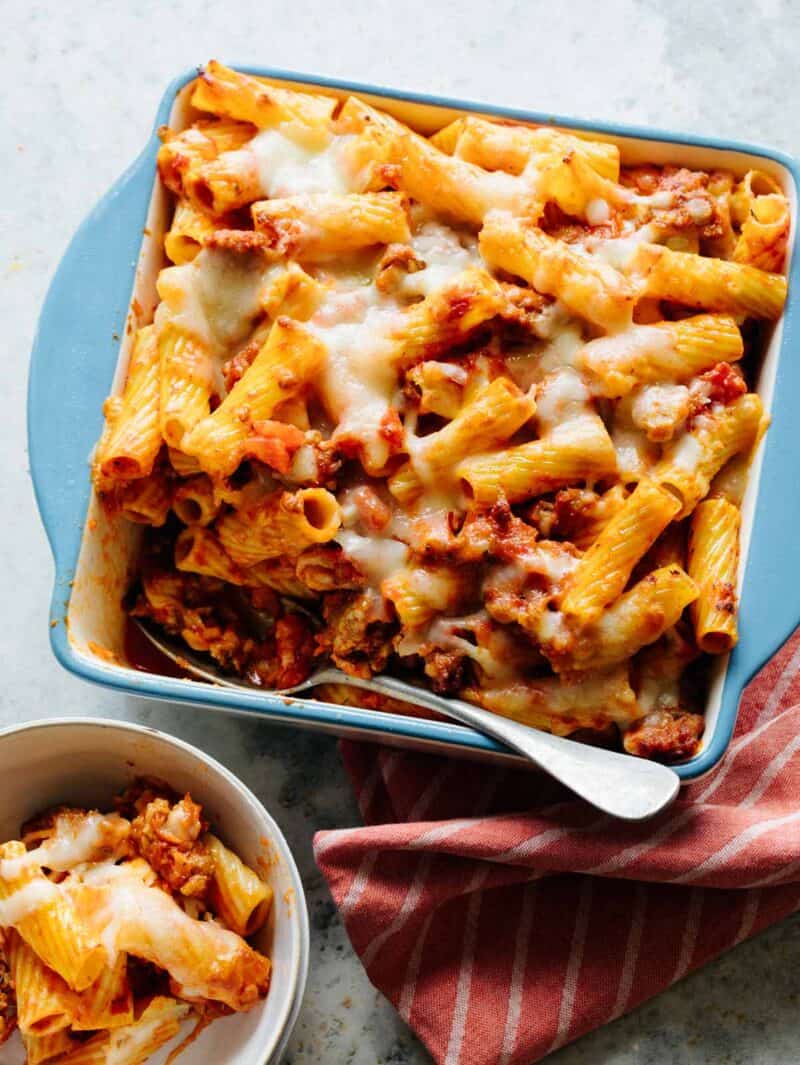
81,82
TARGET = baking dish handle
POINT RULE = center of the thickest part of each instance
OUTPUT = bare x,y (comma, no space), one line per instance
770,608
75,352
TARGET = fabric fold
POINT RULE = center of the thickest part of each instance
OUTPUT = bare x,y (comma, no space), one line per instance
503,917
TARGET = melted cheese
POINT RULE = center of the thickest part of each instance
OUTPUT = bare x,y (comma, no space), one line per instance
75,840
660,410
620,252
623,351
26,900
634,451
445,254
563,397
129,913
687,452
128,1043
215,298
576,378
359,380
597,212
377,557
286,168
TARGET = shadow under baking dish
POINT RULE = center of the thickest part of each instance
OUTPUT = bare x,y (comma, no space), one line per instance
81,351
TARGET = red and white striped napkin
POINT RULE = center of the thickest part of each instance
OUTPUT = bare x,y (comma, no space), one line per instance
504,918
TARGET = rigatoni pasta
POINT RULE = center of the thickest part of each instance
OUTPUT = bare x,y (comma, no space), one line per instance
477,406
150,897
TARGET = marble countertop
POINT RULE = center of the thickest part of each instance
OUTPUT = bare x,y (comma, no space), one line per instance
81,82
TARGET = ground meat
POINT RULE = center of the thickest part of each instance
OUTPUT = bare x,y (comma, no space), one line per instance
8,1006
373,512
359,632
286,657
665,735
168,837
238,241
573,508
398,261
447,671
692,206
236,367
205,612
136,797
274,444
391,429
325,568
723,384
573,230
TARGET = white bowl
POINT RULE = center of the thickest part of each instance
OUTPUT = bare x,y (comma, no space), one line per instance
85,762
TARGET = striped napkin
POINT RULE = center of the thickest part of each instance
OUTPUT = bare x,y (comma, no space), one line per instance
503,918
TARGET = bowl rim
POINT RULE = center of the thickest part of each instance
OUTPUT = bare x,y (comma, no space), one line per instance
298,913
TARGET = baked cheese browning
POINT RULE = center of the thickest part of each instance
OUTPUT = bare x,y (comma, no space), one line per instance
159,900
7,996
463,398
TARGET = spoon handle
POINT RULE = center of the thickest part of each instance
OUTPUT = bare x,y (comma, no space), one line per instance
621,785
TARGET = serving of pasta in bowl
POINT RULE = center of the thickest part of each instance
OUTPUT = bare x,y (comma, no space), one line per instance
150,909
441,392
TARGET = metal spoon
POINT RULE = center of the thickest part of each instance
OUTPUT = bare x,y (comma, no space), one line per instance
621,785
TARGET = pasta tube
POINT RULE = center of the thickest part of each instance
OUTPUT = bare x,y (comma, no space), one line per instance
588,287
42,1048
638,618
288,360
447,185
576,451
448,316
203,959
198,550
602,573
675,351
420,593
238,896
594,518
712,284
692,459
195,501
134,1043
284,523
49,923
315,227
223,91
762,242
510,147
132,439
183,152
189,229
491,417
440,387
44,1002
560,705
147,500
713,563
186,382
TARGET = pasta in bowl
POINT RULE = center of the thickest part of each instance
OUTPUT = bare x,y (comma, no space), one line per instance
481,403
130,930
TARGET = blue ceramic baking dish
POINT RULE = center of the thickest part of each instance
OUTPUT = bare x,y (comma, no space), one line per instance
80,351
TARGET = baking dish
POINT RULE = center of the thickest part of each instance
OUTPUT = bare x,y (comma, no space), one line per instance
83,335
